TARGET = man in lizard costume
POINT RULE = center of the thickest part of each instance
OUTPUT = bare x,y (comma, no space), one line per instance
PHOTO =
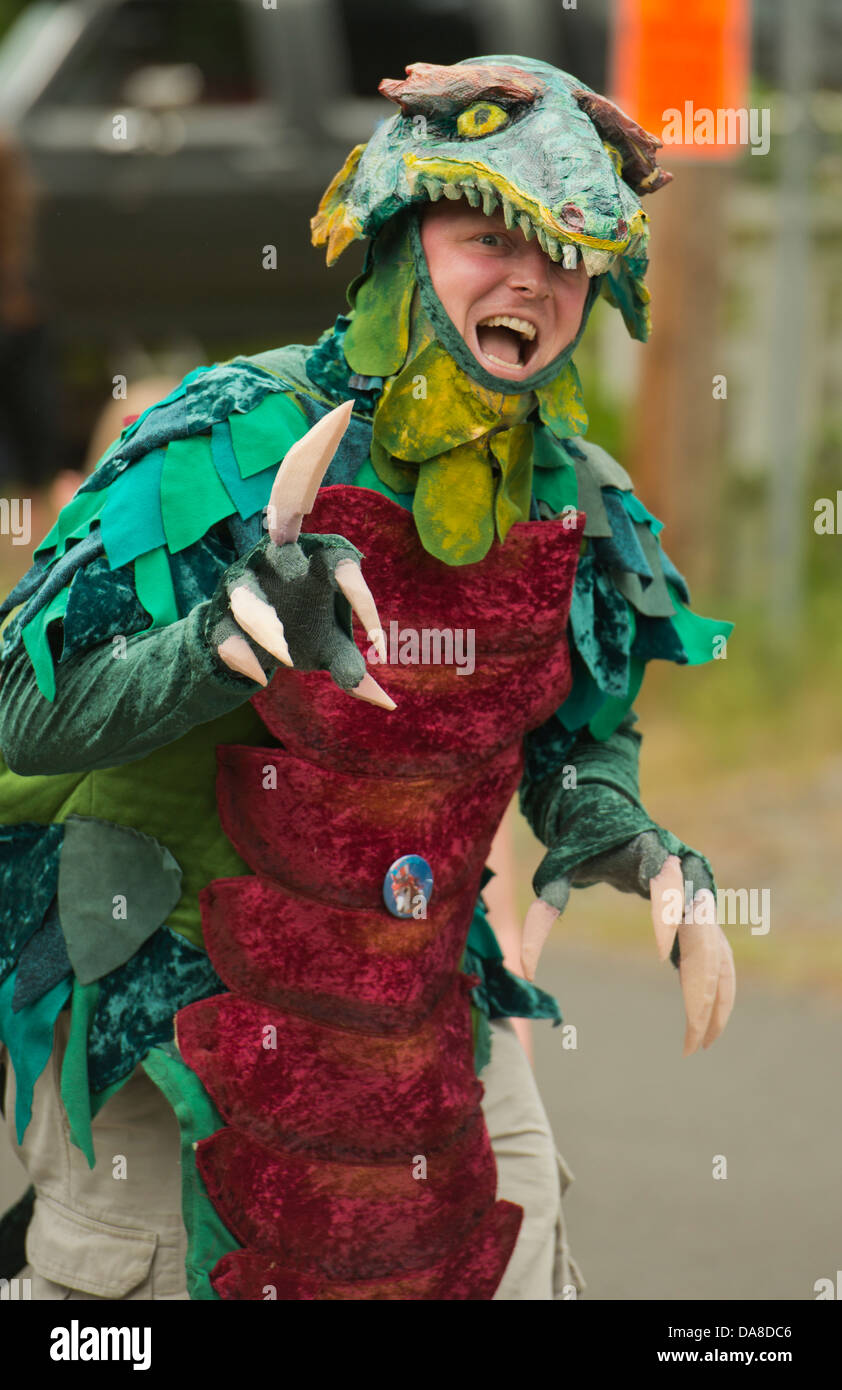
202,832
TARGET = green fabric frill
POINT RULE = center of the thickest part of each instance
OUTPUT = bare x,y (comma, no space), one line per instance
164,501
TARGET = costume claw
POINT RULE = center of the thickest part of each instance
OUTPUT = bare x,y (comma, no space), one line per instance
666,890
377,638
349,577
236,653
725,994
536,928
699,968
260,621
370,691
300,475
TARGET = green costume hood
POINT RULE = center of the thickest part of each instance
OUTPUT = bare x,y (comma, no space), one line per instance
494,129
562,161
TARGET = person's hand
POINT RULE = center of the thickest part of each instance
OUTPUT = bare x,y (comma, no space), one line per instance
290,592
643,866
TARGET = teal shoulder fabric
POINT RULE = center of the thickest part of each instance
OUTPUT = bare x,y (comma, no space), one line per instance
207,453
144,527
629,604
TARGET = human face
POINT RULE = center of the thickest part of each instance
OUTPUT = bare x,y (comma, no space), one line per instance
483,270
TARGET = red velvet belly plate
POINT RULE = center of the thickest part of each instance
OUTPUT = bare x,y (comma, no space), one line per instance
355,1163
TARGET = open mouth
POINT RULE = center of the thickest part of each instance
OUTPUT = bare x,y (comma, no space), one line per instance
507,341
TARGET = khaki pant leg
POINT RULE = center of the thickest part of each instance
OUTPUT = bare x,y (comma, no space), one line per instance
530,1172
115,1230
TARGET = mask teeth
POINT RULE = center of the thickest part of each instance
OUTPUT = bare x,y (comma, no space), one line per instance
434,188
509,213
489,197
597,262
554,248
472,194
452,191
526,226
568,256
543,239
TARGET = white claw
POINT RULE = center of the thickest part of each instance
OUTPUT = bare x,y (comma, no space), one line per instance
726,991
536,928
666,891
377,638
699,968
238,655
349,577
371,692
299,477
260,621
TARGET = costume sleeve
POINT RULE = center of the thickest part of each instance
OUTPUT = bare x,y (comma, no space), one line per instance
590,805
115,705
103,659
580,791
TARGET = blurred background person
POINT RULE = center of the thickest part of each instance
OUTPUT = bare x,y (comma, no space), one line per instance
29,402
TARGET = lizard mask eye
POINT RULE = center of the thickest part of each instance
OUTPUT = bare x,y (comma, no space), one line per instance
481,119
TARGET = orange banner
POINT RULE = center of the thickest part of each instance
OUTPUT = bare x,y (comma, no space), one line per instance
682,72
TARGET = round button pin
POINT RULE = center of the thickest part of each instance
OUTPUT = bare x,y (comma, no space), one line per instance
408,886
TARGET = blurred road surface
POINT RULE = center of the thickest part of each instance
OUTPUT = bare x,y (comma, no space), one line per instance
640,1127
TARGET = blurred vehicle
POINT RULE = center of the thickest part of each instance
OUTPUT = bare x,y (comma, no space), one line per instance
175,139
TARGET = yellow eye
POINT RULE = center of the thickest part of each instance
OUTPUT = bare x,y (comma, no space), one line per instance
481,119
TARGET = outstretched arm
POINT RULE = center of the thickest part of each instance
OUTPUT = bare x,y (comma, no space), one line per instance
109,711
598,831
113,707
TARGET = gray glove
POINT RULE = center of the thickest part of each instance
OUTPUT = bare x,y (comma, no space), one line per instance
629,867
294,602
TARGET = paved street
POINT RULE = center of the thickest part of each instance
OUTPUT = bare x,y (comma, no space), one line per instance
640,1126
